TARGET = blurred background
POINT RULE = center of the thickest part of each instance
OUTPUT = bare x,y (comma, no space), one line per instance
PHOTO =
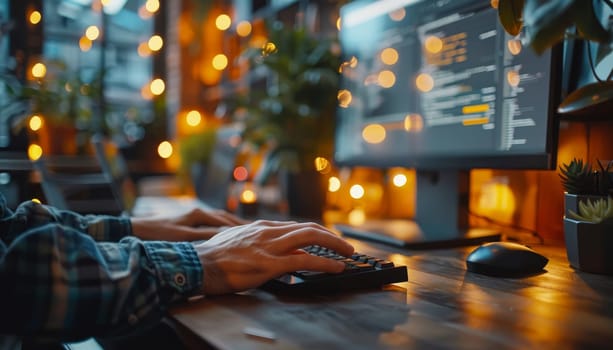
126,98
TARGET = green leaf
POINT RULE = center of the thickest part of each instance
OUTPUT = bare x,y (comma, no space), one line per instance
510,13
588,24
546,21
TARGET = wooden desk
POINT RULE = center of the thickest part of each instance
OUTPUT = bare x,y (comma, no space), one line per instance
441,306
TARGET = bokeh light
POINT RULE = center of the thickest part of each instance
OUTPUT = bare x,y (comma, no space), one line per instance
165,149
39,70
374,133
35,151
35,123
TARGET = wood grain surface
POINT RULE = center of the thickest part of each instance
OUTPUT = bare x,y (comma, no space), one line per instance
442,306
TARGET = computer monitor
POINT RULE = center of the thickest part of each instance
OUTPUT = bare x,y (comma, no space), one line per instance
440,87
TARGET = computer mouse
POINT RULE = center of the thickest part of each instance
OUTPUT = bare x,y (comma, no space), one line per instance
505,259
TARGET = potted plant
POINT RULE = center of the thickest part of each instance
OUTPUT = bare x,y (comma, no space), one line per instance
588,215
588,235
548,22
195,152
293,117
65,102
581,182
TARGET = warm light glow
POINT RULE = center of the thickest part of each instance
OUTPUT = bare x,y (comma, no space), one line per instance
145,92
152,5
344,98
155,43
356,217
39,70
92,33
248,196
374,133
433,44
220,61
35,123
36,200
338,23
144,13
240,173
35,17
193,118
143,50
413,123
514,46
399,180
424,82
223,22
356,191
386,79
398,15
157,87
322,165
85,44
513,78
269,48
334,184
497,199
389,56
235,141
165,149
494,3
34,151
243,28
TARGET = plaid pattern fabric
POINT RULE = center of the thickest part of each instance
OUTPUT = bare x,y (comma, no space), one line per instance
70,276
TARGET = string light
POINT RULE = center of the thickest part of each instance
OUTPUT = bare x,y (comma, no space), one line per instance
92,33
193,118
152,6
35,17
35,123
243,28
165,149
157,87
155,43
223,22
35,151
39,70
220,61
85,44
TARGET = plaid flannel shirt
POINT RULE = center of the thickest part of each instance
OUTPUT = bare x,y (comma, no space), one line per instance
70,276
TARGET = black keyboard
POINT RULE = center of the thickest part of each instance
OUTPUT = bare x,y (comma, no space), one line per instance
361,271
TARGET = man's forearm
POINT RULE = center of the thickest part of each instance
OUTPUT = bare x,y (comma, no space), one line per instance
59,282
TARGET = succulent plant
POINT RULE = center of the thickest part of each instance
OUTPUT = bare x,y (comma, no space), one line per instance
577,177
604,180
595,211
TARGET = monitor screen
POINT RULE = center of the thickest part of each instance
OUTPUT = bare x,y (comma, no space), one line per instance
440,87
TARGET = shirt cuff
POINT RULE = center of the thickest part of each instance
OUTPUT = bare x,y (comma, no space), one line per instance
177,267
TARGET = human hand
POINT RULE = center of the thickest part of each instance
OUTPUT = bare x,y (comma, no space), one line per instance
244,257
194,225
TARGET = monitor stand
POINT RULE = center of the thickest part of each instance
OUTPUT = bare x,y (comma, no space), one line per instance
441,217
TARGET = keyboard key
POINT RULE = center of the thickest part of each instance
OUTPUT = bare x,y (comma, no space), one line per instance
361,271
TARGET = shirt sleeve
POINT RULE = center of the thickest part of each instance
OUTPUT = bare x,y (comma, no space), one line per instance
58,282
30,215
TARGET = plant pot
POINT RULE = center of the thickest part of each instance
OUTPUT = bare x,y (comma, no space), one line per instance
571,201
589,246
305,194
